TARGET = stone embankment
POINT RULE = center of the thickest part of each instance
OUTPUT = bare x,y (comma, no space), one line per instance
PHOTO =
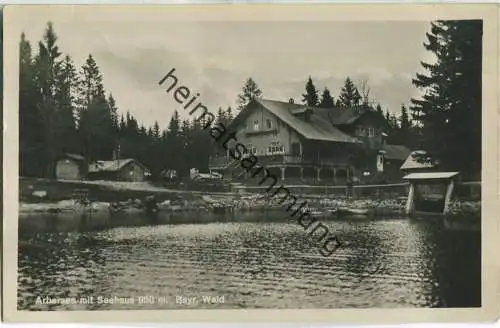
233,203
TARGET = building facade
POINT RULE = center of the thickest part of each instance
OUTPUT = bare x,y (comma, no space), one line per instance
297,142
70,167
126,169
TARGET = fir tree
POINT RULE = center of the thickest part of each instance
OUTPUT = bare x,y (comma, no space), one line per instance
46,71
349,95
31,136
327,100
449,112
249,91
310,98
405,122
229,115
95,117
65,95
221,116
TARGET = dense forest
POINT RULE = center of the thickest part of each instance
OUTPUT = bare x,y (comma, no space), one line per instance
66,109
449,113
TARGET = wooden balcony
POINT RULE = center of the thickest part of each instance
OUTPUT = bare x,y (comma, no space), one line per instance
282,159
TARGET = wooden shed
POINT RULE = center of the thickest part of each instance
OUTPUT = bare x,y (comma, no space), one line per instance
70,167
430,192
127,169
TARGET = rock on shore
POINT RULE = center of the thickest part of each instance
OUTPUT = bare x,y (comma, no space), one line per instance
224,203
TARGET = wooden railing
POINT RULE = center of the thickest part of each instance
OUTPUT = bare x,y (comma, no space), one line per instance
223,161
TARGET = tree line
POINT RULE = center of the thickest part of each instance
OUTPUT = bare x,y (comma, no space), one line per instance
400,128
66,109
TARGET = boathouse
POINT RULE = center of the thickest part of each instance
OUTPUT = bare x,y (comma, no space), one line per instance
430,192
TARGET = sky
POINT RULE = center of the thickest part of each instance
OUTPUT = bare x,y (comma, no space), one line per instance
215,58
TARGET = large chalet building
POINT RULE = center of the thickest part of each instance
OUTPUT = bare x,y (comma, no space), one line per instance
301,143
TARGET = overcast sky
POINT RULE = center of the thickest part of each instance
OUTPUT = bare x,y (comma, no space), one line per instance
215,58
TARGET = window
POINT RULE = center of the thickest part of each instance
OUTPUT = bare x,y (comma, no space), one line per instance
255,125
360,132
269,124
250,149
295,149
275,148
371,132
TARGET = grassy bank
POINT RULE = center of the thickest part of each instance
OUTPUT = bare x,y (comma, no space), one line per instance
102,191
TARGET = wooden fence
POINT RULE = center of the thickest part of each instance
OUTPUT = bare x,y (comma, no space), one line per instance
463,191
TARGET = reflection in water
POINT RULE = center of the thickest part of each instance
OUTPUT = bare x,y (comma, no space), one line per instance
253,264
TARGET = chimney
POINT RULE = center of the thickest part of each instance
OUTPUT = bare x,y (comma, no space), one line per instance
307,114
291,101
116,152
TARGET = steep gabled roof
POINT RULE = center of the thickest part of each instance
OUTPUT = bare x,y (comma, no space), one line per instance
316,128
111,166
344,115
74,156
396,152
412,161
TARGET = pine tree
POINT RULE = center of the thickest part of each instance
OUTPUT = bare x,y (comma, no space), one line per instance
46,71
249,91
65,95
327,100
449,112
221,116
310,98
405,122
156,131
31,130
349,95
113,111
173,144
96,121
229,115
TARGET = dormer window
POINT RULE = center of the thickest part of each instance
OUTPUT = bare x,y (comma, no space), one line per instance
361,132
256,125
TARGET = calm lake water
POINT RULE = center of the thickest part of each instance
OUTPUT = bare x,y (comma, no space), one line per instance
250,260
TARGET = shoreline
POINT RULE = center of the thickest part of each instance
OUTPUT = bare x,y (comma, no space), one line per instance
235,204
109,197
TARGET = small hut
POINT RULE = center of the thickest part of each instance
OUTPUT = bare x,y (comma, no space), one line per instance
127,169
430,192
70,167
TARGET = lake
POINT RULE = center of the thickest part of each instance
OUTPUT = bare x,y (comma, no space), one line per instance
243,261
